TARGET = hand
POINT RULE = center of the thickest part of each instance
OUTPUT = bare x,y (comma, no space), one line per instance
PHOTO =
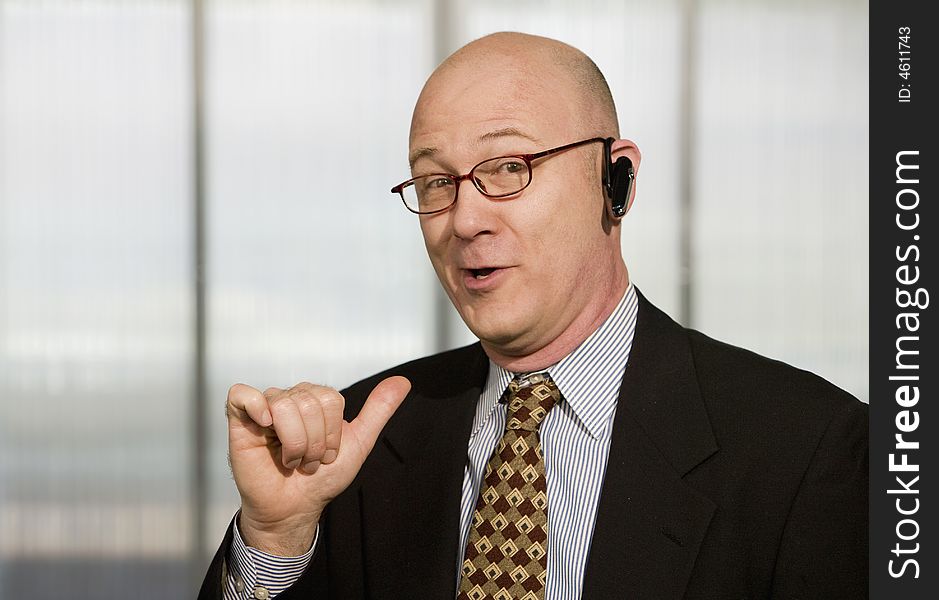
291,453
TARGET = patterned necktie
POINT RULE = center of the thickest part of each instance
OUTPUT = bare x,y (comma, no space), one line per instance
507,551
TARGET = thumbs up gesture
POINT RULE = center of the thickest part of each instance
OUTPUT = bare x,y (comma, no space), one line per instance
291,453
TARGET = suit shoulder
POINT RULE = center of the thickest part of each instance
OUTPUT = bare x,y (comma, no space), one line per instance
733,372
770,416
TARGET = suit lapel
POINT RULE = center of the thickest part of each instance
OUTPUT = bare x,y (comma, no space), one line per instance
411,509
650,523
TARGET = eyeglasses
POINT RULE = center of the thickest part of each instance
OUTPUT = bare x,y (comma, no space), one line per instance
498,177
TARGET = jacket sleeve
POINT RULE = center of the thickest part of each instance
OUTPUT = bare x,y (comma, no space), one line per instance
213,583
824,547
313,582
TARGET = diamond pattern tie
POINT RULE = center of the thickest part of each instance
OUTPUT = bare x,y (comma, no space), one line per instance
507,551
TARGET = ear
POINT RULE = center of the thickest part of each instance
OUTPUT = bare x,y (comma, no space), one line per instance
629,149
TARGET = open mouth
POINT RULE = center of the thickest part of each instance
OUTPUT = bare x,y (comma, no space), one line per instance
482,273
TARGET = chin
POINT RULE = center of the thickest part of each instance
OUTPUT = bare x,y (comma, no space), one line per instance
497,317
497,326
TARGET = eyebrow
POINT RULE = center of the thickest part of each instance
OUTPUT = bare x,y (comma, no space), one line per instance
507,132
419,153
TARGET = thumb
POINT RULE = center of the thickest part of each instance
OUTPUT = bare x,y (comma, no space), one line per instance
379,406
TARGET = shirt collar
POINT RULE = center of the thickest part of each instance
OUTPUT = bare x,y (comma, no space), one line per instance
588,378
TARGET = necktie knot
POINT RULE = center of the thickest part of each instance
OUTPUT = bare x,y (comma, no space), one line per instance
530,400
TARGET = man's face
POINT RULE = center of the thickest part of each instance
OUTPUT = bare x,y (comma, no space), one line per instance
519,270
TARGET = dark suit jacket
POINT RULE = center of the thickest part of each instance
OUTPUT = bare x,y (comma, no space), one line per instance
730,476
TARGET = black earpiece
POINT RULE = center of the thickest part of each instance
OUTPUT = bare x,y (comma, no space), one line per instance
619,180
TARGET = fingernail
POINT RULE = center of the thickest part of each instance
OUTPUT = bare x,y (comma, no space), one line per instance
329,456
266,418
293,464
311,467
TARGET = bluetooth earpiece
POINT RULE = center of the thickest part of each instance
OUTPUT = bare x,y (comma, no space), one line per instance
619,180
622,177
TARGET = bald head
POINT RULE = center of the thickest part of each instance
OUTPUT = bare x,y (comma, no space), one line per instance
534,59
532,272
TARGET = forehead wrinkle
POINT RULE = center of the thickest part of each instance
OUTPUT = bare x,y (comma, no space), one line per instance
504,132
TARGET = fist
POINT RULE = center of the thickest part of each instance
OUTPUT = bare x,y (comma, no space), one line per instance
291,453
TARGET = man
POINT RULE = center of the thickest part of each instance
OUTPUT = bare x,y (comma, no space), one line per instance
628,457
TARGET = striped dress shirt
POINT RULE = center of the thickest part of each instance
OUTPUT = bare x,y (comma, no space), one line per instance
575,440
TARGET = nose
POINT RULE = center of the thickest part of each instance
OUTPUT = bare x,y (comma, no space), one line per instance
473,214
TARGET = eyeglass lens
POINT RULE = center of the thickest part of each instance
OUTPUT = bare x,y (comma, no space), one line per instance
495,178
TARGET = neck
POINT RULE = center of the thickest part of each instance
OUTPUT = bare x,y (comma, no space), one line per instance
585,323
